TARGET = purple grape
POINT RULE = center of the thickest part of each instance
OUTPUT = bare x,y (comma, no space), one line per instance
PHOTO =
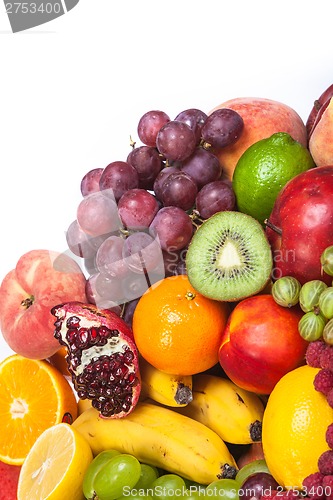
179,190
94,298
107,290
90,181
203,166
80,243
129,309
222,128
90,265
176,141
173,227
148,163
137,208
97,214
149,125
142,252
194,118
109,257
159,181
134,285
217,196
117,178
257,485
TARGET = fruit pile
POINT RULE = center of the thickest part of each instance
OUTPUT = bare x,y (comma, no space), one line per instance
183,346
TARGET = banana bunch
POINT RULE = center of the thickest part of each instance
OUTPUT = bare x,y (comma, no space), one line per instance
159,436
233,413
166,389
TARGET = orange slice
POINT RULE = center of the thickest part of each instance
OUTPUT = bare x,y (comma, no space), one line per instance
55,465
34,395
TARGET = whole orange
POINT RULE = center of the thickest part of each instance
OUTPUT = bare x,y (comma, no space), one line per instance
178,330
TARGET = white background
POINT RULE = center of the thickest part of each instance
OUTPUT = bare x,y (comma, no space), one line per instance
72,91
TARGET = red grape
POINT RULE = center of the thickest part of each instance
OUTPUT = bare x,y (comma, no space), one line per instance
142,252
159,181
216,196
256,485
90,181
222,128
117,178
137,208
94,298
108,289
80,243
176,141
109,257
179,190
173,227
203,166
129,309
149,125
194,118
148,163
97,214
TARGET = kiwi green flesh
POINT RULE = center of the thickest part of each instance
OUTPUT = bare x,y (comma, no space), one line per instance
229,257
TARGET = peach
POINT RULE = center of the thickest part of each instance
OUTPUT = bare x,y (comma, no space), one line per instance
261,343
262,118
321,138
40,280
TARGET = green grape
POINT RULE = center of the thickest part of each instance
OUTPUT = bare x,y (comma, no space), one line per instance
251,468
328,332
326,302
167,487
326,260
223,488
310,293
135,495
194,490
148,474
94,467
285,291
311,326
117,477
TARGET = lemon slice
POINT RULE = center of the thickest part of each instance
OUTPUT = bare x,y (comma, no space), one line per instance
55,465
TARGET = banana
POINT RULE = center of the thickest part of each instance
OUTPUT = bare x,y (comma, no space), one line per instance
166,389
233,413
159,436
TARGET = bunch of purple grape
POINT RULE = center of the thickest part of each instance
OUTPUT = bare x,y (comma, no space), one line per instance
137,217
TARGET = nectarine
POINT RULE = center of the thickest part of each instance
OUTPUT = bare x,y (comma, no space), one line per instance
261,343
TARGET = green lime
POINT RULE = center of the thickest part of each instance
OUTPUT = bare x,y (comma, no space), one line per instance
264,169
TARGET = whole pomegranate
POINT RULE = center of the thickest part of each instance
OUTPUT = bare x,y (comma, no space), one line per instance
102,357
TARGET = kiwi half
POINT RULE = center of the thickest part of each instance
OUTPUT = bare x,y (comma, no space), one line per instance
229,257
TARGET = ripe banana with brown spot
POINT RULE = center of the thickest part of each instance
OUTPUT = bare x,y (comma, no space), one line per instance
159,436
164,388
233,413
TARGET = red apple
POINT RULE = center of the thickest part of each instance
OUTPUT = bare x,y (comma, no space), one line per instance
262,118
300,226
9,480
41,280
261,343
